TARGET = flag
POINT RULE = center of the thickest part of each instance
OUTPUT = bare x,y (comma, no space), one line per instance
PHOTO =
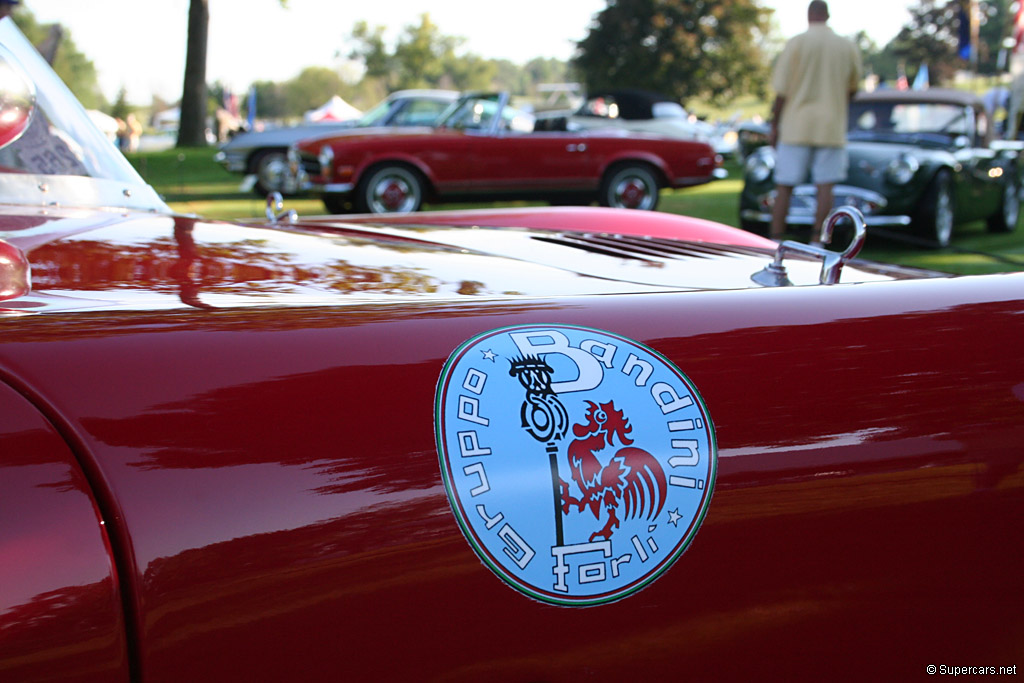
250,107
921,79
964,34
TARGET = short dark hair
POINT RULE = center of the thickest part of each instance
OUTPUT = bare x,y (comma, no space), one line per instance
817,10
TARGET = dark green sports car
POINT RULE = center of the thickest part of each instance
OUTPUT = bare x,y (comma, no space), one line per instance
921,161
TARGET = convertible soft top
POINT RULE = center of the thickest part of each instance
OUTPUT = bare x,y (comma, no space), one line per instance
936,95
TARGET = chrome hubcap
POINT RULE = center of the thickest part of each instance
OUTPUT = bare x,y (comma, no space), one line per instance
632,193
393,194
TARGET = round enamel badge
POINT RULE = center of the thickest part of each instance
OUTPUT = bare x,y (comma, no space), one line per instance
578,463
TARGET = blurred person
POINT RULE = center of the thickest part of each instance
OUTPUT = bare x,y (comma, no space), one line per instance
814,80
7,7
134,133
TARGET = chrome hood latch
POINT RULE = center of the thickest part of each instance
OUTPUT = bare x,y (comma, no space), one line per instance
774,274
275,209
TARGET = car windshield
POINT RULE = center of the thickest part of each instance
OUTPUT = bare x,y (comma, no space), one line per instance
478,112
909,118
474,112
376,114
51,153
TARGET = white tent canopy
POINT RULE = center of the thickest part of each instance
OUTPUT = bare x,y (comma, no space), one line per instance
335,109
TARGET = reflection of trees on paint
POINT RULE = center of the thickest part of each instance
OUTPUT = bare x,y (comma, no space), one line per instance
304,432
90,632
241,267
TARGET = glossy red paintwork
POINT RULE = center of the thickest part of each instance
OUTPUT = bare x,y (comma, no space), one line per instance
56,566
280,513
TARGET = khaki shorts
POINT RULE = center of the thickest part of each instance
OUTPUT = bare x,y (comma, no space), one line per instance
826,165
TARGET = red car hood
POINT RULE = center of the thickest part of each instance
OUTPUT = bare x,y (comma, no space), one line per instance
101,259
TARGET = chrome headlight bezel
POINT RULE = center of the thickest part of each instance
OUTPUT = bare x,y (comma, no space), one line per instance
902,169
325,157
759,167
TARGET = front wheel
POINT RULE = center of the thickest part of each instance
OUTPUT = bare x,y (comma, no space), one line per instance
1005,219
389,189
935,221
632,186
272,175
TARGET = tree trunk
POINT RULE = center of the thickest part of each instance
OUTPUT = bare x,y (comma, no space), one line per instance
192,128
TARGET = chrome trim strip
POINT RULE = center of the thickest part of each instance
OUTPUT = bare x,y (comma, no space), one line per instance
65,190
333,188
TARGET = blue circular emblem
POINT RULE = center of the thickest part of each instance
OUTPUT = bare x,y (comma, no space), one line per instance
579,463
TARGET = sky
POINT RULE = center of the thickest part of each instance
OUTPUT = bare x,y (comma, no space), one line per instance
140,44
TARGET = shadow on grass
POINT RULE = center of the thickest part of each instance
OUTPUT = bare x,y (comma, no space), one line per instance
206,197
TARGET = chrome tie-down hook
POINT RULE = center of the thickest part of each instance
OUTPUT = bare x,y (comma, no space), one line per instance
774,274
275,209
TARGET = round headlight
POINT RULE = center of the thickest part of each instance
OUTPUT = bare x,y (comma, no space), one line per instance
326,158
759,167
901,170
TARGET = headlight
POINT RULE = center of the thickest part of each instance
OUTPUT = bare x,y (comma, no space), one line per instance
902,169
759,167
326,158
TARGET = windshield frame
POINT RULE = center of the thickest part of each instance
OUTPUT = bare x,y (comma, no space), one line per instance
110,180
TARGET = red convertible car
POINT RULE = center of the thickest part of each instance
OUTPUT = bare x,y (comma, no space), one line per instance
484,149
524,445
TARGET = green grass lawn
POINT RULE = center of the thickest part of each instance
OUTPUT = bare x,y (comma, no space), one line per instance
191,182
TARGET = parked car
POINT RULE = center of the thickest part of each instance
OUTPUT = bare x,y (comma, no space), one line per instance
921,161
483,149
545,444
263,154
640,111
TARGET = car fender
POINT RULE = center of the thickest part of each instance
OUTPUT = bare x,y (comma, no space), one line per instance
370,161
665,175
61,609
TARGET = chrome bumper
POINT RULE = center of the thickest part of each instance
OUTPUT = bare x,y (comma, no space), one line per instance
330,188
234,163
802,219
804,205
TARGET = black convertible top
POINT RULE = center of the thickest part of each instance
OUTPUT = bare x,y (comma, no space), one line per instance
935,95
633,104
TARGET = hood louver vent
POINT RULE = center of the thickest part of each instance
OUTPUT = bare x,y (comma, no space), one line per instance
647,248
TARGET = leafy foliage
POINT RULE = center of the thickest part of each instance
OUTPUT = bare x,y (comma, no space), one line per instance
683,48
77,71
931,37
423,57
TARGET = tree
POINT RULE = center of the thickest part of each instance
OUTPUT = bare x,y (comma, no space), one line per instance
192,124
931,37
311,88
73,67
372,50
682,48
423,53
192,127
423,57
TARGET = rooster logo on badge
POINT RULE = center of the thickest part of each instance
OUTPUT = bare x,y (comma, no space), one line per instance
632,478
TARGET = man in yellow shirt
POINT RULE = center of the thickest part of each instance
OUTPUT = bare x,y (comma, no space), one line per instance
814,80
